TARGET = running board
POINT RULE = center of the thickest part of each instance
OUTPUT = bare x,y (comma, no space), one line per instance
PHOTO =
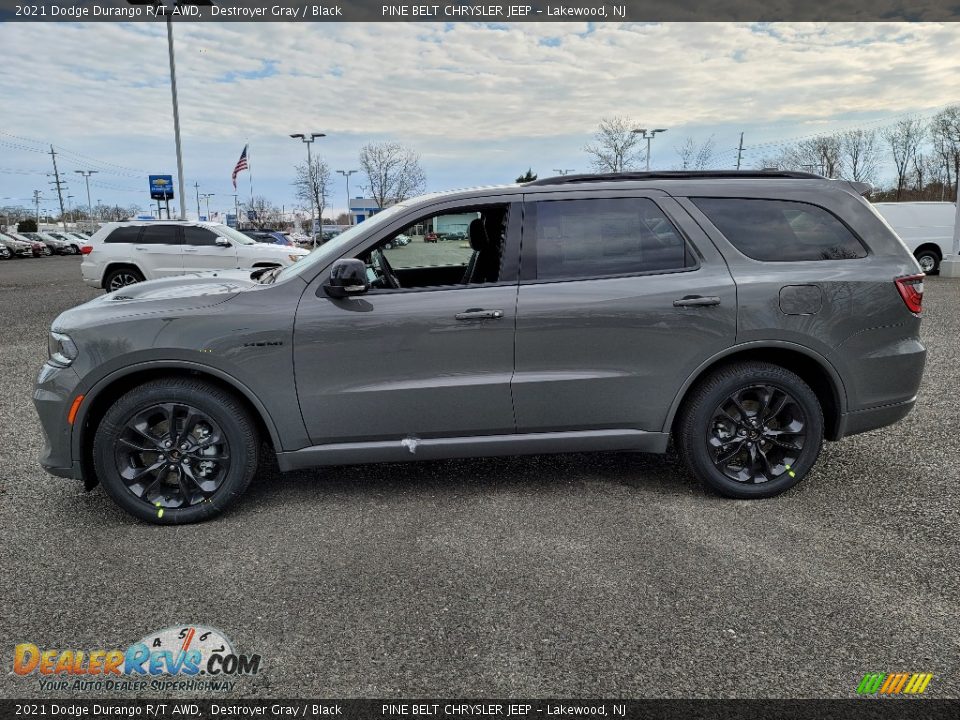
414,448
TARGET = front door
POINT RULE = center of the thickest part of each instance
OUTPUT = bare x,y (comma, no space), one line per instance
428,359
201,252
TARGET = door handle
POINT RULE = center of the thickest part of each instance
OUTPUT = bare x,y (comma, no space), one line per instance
696,301
479,314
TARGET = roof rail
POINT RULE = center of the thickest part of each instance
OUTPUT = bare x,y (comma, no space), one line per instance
677,175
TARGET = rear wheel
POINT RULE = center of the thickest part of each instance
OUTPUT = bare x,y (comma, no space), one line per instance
751,430
176,451
121,277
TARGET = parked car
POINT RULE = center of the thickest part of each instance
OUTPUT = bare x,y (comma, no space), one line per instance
123,253
746,316
926,228
17,248
270,237
430,237
56,245
4,252
400,240
37,248
76,240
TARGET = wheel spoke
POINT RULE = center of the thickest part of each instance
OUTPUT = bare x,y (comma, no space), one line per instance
729,456
149,470
781,403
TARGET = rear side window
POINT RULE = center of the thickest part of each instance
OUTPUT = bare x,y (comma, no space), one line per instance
124,235
599,237
159,235
781,230
198,236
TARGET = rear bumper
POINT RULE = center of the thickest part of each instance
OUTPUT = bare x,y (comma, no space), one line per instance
860,421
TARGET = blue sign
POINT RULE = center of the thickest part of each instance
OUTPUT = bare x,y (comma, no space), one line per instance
231,220
251,215
161,187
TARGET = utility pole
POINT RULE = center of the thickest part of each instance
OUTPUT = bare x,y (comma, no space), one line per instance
36,202
86,176
740,151
197,186
206,197
236,210
347,174
56,175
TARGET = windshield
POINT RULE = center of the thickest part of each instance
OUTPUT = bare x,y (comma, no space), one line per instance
234,235
332,249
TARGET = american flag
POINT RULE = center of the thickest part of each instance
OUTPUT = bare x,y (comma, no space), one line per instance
240,166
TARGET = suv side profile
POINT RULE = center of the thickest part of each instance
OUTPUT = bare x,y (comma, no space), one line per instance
746,316
123,253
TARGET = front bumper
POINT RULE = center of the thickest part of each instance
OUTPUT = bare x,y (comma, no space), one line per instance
52,396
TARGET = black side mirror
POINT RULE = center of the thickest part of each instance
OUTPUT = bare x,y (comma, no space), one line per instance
348,276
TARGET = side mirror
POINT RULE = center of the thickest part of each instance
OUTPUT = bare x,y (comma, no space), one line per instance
348,276
223,242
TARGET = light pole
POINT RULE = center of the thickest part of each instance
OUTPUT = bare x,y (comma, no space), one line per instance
206,197
347,174
86,176
70,207
950,265
648,136
308,138
563,171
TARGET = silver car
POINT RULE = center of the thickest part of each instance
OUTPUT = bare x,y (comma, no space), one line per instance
744,316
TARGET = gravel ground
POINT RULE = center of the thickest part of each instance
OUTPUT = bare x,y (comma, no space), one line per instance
576,575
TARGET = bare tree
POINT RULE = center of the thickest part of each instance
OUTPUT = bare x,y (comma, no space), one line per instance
904,138
313,189
693,156
265,213
945,136
819,154
393,172
859,155
615,147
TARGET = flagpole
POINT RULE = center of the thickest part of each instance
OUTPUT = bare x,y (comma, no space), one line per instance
250,172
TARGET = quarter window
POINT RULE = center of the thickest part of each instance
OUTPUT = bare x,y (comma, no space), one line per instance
781,230
127,234
598,237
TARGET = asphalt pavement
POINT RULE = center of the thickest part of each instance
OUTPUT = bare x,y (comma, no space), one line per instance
582,575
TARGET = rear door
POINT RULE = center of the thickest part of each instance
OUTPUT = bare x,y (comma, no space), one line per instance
621,298
201,252
157,251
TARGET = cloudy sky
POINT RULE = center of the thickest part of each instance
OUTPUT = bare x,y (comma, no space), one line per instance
479,103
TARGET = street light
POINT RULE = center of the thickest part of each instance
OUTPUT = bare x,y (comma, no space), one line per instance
642,132
86,176
308,138
206,197
563,171
347,174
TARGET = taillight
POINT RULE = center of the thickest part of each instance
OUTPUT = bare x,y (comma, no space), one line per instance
86,249
911,290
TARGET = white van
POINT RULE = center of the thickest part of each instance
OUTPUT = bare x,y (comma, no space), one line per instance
925,227
123,253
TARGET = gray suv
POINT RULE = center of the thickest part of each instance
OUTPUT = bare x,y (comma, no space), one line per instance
746,316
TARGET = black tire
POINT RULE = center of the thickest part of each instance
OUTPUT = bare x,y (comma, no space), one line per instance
929,261
121,277
74,249
728,427
174,494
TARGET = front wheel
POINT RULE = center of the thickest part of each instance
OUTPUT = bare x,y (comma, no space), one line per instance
751,430
176,451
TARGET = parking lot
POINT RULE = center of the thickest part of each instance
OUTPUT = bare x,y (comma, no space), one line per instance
576,575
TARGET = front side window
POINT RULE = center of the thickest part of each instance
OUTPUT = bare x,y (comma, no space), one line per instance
159,235
198,236
602,237
781,230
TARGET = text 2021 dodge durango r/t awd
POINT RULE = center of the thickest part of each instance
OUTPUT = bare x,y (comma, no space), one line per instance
748,316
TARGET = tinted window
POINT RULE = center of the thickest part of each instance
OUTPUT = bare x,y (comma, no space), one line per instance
781,230
591,238
123,235
198,236
159,235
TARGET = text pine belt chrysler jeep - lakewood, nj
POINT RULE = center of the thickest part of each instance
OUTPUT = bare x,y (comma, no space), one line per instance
748,316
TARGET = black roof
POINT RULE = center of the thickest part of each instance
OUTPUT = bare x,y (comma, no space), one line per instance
678,175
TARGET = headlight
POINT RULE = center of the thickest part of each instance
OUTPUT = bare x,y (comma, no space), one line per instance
294,258
62,349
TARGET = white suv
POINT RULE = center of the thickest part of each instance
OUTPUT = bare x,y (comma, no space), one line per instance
123,253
